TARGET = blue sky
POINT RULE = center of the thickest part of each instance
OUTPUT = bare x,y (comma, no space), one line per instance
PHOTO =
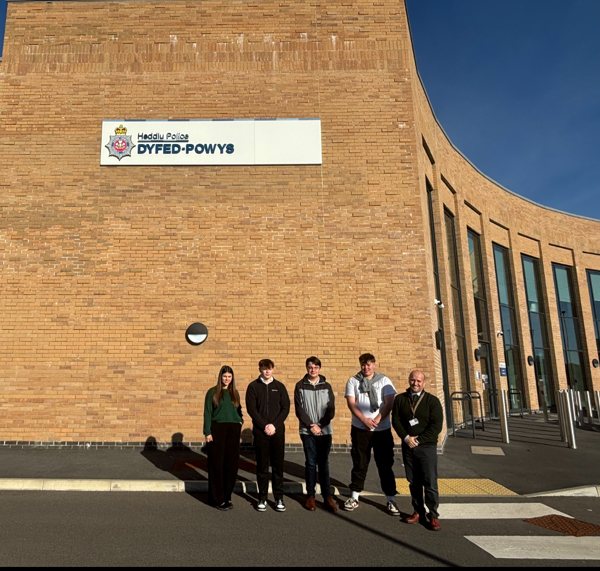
516,85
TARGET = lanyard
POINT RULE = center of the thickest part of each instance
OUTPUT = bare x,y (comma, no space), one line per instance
416,406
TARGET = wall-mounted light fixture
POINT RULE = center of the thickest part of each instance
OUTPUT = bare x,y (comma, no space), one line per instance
596,363
196,334
530,361
477,355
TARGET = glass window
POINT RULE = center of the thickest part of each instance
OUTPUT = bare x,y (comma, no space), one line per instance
440,317
594,285
569,327
538,328
457,309
483,326
531,274
508,316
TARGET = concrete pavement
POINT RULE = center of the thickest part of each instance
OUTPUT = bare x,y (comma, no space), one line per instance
535,462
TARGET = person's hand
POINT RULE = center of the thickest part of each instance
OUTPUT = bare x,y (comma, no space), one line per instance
269,430
209,439
370,423
315,429
377,420
412,441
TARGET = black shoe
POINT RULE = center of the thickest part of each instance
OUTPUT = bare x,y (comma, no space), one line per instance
229,505
223,507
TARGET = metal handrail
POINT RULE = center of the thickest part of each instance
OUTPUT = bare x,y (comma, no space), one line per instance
462,397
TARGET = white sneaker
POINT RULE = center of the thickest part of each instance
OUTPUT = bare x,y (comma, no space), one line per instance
392,508
279,506
350,504
262,506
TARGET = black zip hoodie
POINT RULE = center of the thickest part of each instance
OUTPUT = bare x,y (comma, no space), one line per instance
267,404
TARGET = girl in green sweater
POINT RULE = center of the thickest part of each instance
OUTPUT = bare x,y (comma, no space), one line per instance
222,427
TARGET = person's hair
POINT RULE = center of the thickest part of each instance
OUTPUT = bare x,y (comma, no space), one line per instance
314,360
266,364
218,396
366,358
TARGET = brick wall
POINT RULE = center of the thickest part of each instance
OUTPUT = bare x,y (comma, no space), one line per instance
104,268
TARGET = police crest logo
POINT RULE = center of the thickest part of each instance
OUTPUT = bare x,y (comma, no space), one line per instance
120,144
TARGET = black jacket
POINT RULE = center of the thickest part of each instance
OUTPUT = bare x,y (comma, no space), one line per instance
429,414
267,404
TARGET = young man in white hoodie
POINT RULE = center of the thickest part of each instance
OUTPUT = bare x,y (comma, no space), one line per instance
370,397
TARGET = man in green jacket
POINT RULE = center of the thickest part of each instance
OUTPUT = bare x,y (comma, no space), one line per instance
418,419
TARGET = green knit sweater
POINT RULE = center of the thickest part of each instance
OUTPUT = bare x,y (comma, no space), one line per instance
225,412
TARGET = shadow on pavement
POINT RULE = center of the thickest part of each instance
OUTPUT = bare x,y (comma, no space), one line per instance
178,460
409,546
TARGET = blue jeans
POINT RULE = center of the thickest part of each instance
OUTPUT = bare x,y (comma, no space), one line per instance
316,452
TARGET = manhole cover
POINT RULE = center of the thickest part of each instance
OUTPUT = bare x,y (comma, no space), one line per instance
565,525
487,450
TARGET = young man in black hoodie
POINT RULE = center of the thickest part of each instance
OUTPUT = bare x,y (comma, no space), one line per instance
268,404
315,409
418,419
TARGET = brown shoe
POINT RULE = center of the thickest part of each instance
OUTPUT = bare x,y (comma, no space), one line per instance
434,524
414,518
331,504
310,504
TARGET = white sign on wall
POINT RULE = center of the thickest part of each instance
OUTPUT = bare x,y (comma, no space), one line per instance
211,142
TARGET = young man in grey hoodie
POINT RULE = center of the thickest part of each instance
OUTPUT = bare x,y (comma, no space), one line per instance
315,409
370,397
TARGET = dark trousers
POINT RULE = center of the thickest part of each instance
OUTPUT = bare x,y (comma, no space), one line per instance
420,464
316,453
382,444
270,451
223,456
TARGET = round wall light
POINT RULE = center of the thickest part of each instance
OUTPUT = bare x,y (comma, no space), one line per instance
530,361
477,355
596,363
196,334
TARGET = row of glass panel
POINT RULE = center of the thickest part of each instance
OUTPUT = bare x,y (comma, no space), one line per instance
573,349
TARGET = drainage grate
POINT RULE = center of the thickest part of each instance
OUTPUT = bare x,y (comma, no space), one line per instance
565,525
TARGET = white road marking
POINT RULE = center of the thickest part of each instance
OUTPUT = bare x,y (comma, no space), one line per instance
496,511
549,547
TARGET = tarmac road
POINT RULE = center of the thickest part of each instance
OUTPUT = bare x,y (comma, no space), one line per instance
153,529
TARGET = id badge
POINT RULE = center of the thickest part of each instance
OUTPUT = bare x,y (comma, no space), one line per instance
413,422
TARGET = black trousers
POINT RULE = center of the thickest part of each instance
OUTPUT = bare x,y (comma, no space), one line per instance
223,457
421,468
270,451
382,444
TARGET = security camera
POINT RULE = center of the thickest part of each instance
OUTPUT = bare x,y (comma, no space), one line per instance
438,303
500,334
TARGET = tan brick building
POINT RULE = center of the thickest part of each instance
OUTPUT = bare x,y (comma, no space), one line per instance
104,268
